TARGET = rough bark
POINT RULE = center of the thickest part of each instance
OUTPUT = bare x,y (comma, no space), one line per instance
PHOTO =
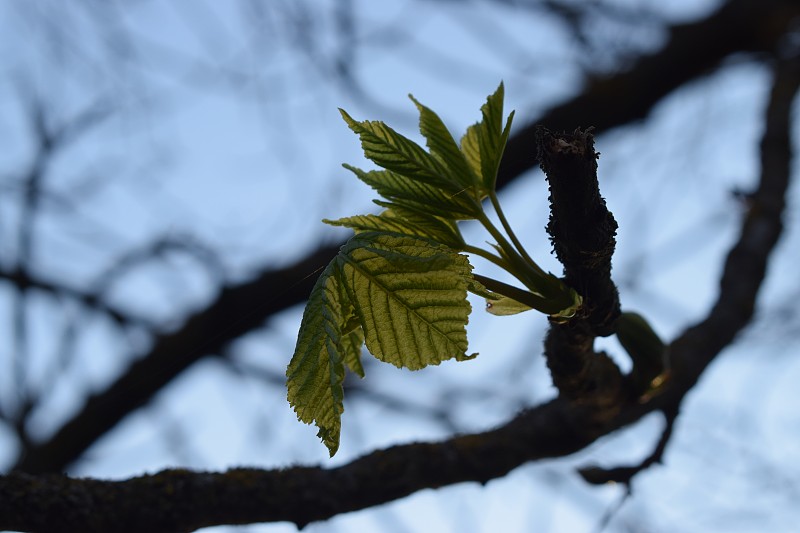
582,231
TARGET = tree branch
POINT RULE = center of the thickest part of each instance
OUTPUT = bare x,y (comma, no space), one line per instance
237,310
581,227
179,500
582,231
694,49
24,280
746,263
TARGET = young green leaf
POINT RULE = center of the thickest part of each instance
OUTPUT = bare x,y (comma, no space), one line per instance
410,295
392,151
563,307
404,296
397,219
548,294
417,195
442,145
399,285
440,229
316,371
484,142
501,305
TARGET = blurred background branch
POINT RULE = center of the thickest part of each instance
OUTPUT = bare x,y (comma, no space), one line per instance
164,169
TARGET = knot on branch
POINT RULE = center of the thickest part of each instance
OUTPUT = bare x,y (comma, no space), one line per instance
580,374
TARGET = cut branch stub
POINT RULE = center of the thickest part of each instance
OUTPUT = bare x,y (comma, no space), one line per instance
581,228
582,231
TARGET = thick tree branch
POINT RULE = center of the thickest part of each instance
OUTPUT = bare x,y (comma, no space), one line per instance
179,500
237,310
182,501
694,49
746,263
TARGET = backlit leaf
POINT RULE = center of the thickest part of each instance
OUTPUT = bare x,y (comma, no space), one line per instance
404,296
316,372
411,296
392,151
399,285
484,142
442,145
419,195
350,347
398,219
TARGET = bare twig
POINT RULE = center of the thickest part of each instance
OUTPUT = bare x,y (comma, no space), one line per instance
625,474
24,281
693,51
182,501
238,309
738,26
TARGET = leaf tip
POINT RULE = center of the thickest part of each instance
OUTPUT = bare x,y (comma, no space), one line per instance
466,357
330,437
351,122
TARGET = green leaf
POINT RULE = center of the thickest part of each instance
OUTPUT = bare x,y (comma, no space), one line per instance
501,305
442,145
410,295
418,195
315,374
484,142
563,307
470,147
392,151
430,226
397,219
350,348
404,296
399,285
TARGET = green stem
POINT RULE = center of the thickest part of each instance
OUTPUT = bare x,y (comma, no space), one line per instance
501,215
487,255
519,267
500,238
520,295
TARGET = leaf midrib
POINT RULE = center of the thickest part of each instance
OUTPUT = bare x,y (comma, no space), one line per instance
392,295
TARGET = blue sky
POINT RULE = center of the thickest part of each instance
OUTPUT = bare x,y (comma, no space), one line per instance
229,138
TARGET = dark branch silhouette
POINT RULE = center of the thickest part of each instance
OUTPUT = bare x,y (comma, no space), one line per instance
179,500
32,498
738,26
